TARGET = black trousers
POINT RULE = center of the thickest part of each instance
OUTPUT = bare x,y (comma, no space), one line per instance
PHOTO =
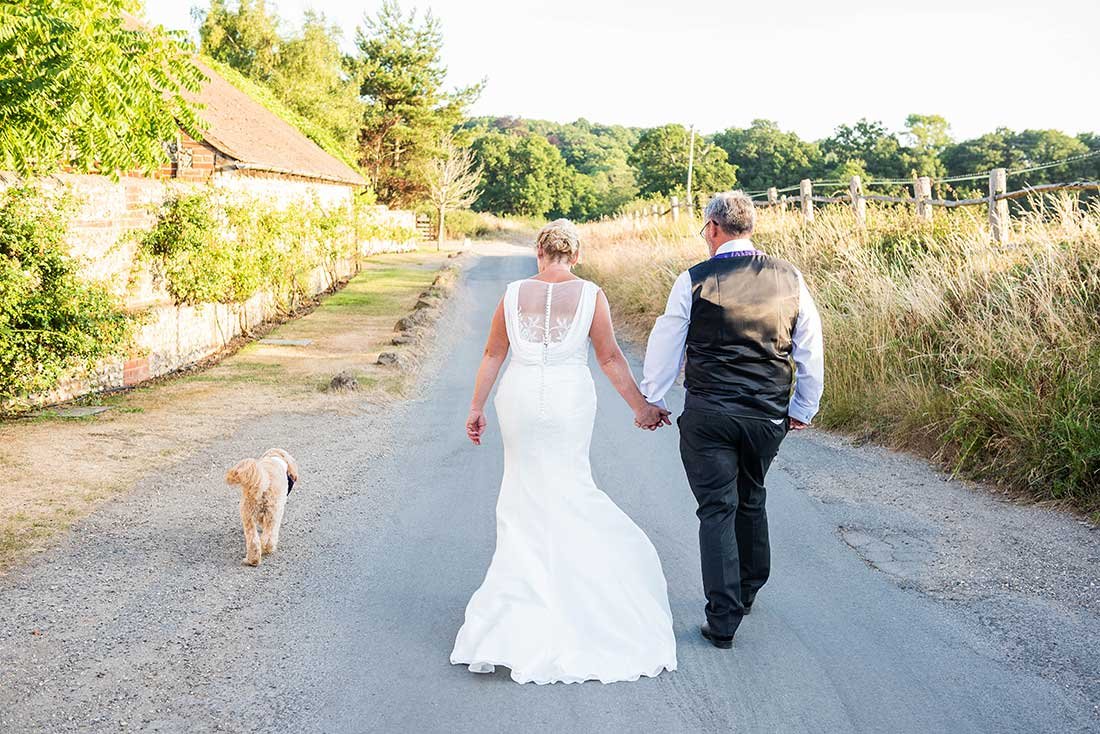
726,458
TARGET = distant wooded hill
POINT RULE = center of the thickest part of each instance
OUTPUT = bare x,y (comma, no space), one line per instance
585,170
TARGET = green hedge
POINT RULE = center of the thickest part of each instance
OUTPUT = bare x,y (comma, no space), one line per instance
51,320
212,252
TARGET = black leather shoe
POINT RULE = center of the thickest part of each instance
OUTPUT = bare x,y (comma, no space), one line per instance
748,610
724,643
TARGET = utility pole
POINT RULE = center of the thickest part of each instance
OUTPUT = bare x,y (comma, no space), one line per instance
691,170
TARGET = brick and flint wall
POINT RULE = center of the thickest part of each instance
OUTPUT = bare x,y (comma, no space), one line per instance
104,237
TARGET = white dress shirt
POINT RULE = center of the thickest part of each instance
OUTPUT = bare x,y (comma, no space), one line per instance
664,354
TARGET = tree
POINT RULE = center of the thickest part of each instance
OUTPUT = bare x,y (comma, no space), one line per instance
660,162
984,153
84,84
1087,169
844,171
315,78
407,110
305,70
599,179
245,36
867,141
1004,148
452,181
1091,140
1044,146
928,136
523,174
766,156
589,196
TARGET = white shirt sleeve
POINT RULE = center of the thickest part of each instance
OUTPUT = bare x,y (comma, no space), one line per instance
809,358
664,354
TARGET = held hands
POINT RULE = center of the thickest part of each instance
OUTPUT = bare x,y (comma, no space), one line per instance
797,425
475,426
652,417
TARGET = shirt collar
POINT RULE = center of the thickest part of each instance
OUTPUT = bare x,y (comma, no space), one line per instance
735,246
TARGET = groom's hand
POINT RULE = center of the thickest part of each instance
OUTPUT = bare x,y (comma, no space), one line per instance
652,417
797,425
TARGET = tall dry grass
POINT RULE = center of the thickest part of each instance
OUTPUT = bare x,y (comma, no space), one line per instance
985,357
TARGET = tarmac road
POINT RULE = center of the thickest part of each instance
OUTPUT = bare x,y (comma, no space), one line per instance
899,602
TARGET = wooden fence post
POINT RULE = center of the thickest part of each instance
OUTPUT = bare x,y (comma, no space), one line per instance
998,210
859,204
772,196
783,202
806,189
674,207
922,192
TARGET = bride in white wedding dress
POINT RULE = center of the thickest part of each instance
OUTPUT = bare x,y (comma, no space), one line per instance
575,590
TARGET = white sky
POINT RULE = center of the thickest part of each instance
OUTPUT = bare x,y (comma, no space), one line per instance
808,64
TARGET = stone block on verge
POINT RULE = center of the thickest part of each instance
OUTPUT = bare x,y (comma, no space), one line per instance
344,381
413,320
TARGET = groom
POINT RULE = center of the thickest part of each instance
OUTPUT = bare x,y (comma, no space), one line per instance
744,326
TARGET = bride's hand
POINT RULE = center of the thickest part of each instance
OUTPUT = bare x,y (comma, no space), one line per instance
475,426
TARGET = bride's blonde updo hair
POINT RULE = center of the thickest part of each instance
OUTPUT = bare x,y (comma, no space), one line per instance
560,240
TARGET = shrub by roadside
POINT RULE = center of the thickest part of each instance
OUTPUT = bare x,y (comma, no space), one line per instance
51,320
209,251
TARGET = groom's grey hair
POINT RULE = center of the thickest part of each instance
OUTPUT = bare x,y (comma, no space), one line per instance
732,211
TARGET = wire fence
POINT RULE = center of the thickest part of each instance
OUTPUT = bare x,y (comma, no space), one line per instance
946,179
997,199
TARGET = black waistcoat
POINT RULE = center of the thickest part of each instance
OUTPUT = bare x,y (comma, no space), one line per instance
743,311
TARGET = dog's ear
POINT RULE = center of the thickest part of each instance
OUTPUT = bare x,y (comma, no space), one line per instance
244,472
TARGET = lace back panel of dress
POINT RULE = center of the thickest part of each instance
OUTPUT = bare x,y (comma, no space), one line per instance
545,311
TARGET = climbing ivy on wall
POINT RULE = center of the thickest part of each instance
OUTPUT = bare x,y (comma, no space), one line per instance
51,319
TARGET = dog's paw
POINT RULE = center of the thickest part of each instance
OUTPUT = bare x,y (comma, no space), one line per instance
268,550
251,561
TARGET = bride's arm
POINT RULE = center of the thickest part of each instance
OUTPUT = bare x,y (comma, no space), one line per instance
614,365
496,349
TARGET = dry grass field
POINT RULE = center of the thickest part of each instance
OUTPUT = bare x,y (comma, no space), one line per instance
984,357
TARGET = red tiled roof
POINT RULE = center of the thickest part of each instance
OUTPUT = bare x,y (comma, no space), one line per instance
255,137
258,139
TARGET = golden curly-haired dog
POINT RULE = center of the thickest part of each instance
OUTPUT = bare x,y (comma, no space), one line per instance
265,484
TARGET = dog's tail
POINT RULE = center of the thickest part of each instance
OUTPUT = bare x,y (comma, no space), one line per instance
244,473
291,464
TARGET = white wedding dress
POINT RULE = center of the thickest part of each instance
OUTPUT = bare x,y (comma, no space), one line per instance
575,590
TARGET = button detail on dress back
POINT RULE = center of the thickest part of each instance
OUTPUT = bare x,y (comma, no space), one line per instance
546,320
